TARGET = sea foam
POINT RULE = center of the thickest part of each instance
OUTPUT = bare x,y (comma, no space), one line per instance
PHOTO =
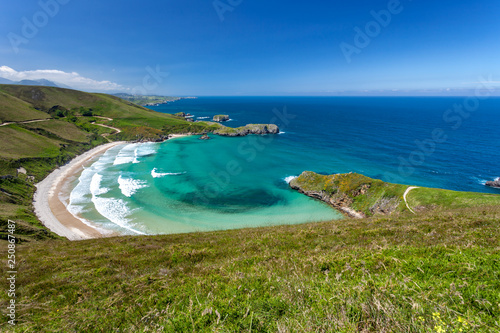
126,155
156,174
115,210
289,179
133,152
129,186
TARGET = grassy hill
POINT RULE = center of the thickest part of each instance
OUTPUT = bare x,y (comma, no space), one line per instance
15,109
136,122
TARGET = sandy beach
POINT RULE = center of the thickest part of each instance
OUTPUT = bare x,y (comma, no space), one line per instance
175,136
52,211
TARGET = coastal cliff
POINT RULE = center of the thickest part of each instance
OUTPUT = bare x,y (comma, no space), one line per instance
353,194
247,129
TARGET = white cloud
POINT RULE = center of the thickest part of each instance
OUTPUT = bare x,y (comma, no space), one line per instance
73,79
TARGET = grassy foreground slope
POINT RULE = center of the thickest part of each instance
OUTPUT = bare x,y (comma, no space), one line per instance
434,272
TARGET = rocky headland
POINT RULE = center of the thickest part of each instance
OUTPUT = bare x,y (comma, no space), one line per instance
247,129
353,194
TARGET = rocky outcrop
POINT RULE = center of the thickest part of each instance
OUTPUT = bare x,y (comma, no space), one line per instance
248,129
340,201
205,137
354,195
221,117
494,183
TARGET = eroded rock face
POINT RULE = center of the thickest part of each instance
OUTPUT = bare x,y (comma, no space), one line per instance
494,183
221,117
340,201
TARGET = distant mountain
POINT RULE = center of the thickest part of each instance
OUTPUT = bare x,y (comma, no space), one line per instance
41,82
6,81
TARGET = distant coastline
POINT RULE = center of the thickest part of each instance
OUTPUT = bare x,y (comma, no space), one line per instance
150,100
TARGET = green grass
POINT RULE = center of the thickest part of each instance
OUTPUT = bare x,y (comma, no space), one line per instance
14,109
387,274
18,142
7,209
430,197
62,129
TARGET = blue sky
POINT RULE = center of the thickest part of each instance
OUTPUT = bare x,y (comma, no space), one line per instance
257,48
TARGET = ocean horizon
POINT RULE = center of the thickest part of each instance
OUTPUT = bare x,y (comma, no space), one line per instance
187,184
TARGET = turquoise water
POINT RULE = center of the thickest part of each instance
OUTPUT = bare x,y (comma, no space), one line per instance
187,184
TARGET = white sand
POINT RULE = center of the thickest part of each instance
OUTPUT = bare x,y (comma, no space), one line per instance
175,136
52,212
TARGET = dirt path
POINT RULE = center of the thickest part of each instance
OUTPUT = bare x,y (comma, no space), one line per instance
101,117
25,122
113,128
404,197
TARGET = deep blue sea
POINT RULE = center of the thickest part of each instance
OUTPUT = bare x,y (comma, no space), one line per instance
187,184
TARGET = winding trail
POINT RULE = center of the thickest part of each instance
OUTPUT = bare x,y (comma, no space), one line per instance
404,197
101,117
113,128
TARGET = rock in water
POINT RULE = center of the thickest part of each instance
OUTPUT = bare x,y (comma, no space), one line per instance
205,137
494,183
221,117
